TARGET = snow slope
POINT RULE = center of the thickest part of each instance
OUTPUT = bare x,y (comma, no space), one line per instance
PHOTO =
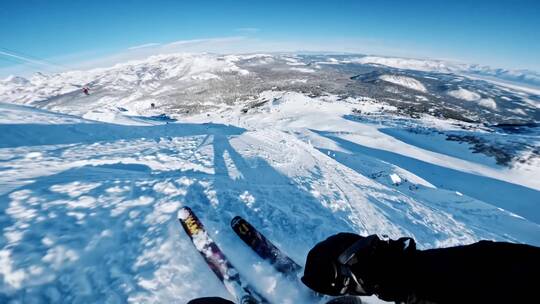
88,209
488,103
464,94
467,95
406,82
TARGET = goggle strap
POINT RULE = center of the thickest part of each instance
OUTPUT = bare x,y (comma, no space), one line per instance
346,272
346,258
359,284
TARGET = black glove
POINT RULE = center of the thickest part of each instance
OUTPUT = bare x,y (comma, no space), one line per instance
385,268
210,300
345,300
321,273
378,266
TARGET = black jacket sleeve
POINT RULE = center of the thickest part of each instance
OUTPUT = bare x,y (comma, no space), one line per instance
483,272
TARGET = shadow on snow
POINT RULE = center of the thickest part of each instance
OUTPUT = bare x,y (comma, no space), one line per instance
515,198
107,233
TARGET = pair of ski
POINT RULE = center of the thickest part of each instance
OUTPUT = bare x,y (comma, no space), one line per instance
224,270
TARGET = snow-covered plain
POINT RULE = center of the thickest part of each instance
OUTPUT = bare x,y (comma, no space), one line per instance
88,207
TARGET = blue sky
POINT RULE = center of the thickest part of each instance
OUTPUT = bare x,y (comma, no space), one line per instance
48,35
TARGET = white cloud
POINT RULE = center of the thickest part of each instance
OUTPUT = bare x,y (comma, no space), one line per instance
216,45
220,45
205,41
248,30
146,45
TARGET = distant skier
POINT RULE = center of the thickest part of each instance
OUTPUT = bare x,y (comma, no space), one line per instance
394,270
86,90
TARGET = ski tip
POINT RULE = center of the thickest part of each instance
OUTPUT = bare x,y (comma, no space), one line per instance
184,213
235,220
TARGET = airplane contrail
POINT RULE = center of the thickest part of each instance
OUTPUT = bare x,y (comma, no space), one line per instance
28,60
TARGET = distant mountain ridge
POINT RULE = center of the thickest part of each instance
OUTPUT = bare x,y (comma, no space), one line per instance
527,77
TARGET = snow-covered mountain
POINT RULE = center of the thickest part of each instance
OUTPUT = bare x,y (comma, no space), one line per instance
181,84
155,77
91,185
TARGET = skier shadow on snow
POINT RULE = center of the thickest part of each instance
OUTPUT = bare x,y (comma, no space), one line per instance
515,198
19,135
270,200
83,235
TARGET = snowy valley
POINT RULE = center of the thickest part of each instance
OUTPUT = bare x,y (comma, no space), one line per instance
303,146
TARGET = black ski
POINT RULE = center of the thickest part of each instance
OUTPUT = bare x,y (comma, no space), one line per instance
281,262
264,248
217,261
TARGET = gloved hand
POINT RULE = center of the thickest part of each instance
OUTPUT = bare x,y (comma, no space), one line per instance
210,300
386,268
322,267
379,266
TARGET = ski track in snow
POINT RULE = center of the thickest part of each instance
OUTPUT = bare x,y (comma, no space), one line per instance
88,209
